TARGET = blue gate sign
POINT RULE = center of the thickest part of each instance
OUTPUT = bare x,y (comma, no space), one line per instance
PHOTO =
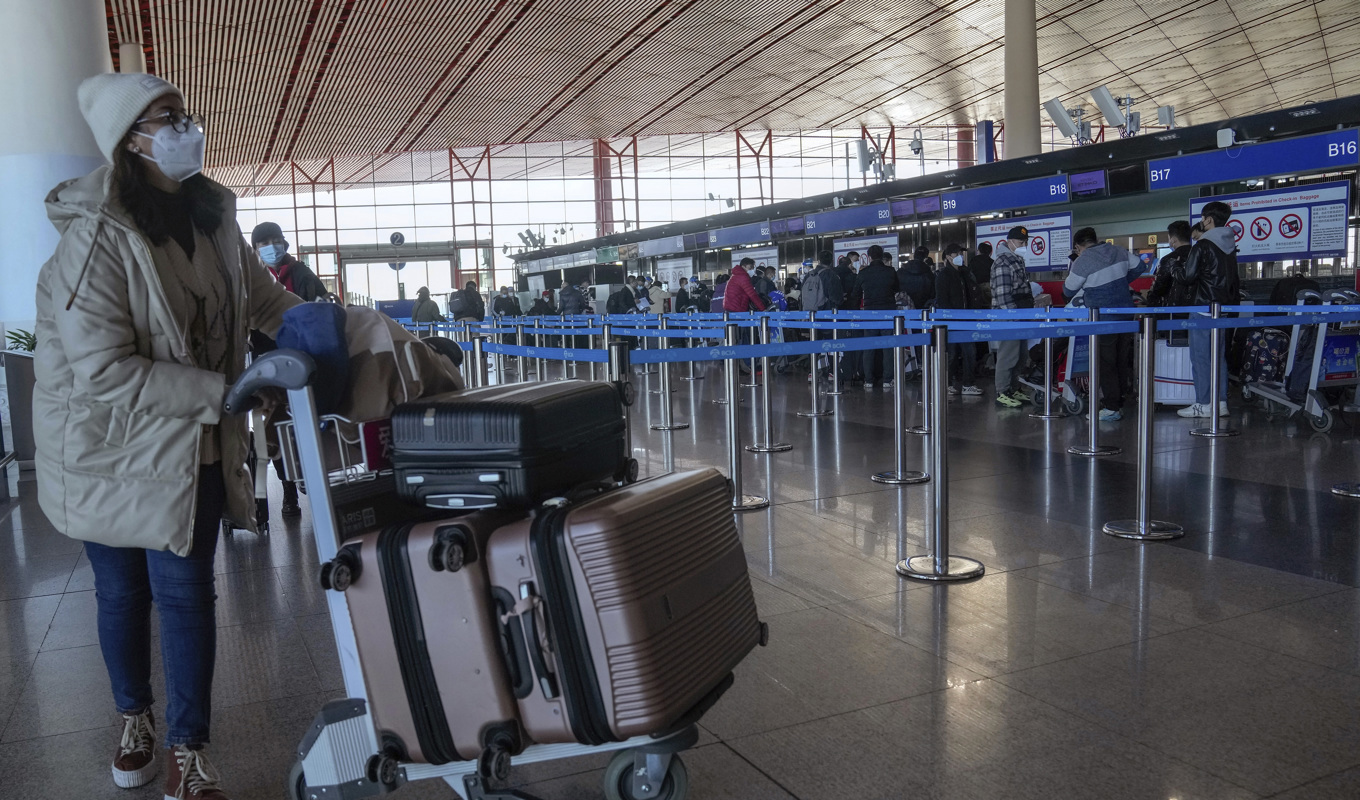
1005,196
740,234
849,219
1334,149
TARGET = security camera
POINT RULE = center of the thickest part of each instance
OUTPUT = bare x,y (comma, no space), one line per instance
916,144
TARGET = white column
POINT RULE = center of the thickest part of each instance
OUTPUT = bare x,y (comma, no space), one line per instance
1022,80
46,50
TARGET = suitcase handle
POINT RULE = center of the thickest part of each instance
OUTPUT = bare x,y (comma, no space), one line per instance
514,652
283,369
528,608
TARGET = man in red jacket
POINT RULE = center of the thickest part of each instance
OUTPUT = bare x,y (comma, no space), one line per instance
740,294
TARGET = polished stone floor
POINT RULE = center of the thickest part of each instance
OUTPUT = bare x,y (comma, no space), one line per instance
1222,665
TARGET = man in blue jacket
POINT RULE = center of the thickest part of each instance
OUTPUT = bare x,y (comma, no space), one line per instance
1102,274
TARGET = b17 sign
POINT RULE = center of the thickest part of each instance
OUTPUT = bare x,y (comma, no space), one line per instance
1050,239
1299,222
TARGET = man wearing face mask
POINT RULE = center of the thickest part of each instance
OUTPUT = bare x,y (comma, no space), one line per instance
955,288
296,277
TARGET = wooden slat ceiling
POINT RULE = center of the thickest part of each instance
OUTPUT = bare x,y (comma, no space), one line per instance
367,81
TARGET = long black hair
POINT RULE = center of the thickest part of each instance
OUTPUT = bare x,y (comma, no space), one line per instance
134,191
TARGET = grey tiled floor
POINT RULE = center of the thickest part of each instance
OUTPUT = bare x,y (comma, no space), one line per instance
1224,665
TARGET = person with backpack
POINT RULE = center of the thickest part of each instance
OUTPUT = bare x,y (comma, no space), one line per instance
624,301
916,280
571,300
952,291
1165,291
466,305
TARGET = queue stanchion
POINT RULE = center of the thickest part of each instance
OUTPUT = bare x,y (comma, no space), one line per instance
619,371
668,422
939,564
1048,412
477,376
769,445
901,475
1215,429
756,380
834,362
663,343
928,381
740,500
817,409
521,363
1144,527
1093,447
693,376
727,316
540,364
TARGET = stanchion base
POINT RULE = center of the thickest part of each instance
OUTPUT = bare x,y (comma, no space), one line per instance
679,426
1098,450
749,502
1347,489
922,568
1210,433
895,478
1130,529
1042,415
777,447
919,430
825,413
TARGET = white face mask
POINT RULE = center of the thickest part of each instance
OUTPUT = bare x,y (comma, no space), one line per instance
272,254
179,155
958,261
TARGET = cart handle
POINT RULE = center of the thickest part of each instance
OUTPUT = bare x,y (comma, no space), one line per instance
283,369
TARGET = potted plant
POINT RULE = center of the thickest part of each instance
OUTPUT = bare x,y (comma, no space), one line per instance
19,382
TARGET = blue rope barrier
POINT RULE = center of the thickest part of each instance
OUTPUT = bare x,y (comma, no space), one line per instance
961,332
550,353
1037,315
748,351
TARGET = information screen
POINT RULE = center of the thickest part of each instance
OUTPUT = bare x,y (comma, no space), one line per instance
1088,184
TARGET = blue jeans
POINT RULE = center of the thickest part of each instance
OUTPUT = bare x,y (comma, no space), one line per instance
127,580
1201,347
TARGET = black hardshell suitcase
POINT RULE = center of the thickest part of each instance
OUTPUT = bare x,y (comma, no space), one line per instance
509,446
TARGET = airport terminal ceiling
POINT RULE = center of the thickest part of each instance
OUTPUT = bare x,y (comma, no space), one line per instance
368,81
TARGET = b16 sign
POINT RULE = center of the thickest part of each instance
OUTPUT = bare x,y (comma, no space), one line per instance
1050,239
1299,222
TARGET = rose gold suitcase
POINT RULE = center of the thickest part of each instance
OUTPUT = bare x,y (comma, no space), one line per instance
440,665
635,606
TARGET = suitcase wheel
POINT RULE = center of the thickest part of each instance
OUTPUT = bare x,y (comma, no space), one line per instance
625,779
296,787
493,764
340,572
384,769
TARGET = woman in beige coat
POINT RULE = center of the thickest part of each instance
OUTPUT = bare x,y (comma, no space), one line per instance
143,317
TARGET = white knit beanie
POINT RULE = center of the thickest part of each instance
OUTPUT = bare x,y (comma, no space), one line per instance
112,101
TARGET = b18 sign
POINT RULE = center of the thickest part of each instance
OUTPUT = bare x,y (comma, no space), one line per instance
1299,222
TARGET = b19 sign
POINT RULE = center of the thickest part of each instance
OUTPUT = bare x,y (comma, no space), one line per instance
1300,222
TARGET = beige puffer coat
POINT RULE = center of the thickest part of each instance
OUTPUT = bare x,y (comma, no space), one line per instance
119,406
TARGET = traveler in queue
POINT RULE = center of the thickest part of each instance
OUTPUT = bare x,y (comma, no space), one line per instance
143,320
466,304
916,279
682,299
624,301
1102,273
506,304
1165,291
1210,275
571,299
876,290
425,310
1010,289
955,288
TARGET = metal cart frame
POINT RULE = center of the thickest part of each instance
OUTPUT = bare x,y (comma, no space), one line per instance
342,756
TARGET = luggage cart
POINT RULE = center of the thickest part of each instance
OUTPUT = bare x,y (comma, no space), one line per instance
258,460
343,756
1333,367
1065,388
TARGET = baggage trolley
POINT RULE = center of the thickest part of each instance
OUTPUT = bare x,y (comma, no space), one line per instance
257,459
342,755
1065,389
1333,367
